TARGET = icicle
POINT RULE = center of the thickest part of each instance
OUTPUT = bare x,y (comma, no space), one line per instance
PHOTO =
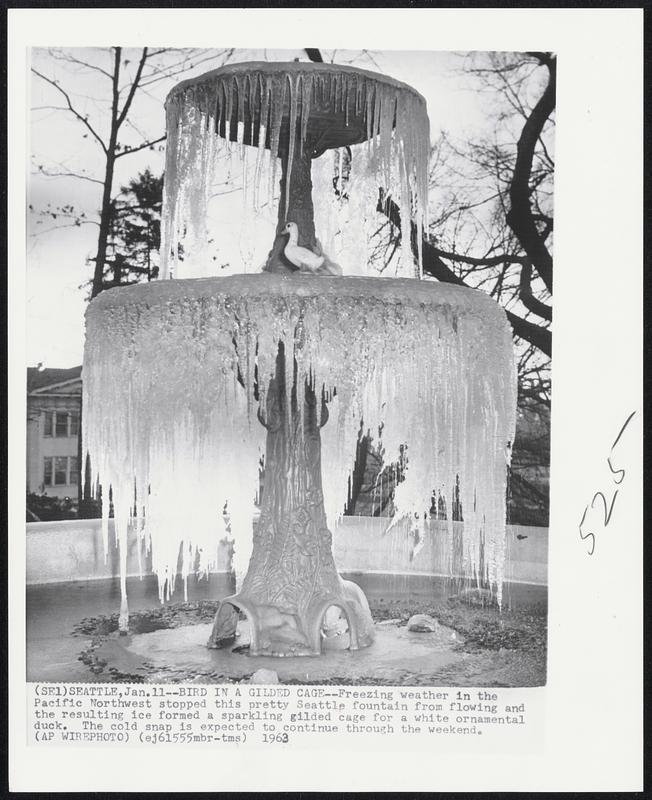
294,83
377,111
347,103
307,91
369,111
340,167
385,133
277,103
262,134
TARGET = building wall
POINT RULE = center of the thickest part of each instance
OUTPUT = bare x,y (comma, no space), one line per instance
66,400
34,459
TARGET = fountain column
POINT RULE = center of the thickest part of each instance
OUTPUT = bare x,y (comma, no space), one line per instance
299,204
292,579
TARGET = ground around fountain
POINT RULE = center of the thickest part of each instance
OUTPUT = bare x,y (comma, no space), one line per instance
473,645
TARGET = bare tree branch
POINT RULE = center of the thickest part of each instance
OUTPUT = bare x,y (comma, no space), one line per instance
130,150
433,265
77,224
132,90
67,174
483,261
519,216
158,75
71,108
526,297
60,56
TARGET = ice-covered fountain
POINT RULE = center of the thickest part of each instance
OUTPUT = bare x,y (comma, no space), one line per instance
189,382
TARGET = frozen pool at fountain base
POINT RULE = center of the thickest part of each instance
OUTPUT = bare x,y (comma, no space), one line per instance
180,654
68,624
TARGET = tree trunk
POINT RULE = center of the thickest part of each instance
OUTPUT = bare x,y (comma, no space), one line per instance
359,470
105,221
519,216
110,152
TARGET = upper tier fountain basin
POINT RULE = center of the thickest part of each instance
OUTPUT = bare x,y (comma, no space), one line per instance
337,105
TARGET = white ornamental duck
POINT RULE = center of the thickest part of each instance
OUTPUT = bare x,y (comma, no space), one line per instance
305,259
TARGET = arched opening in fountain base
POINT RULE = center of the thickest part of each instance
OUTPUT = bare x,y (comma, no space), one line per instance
274,632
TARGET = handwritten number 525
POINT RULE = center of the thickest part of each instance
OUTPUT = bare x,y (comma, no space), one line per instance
607,506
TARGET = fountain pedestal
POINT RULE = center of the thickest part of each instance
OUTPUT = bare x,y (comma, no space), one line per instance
296,191
292,579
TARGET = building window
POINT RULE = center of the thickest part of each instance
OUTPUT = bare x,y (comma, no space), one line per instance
61,424
60,471
47,471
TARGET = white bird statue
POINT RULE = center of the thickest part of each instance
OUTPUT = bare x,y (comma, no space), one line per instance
305,259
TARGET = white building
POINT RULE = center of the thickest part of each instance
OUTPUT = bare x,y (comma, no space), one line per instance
53,428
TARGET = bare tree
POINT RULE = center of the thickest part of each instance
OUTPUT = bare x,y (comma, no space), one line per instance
493,227
123,76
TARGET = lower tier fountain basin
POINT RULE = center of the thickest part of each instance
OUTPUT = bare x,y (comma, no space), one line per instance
72,636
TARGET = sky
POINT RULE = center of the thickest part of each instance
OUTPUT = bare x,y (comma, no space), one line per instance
57,256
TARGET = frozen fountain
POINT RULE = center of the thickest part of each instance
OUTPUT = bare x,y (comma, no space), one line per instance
189,382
